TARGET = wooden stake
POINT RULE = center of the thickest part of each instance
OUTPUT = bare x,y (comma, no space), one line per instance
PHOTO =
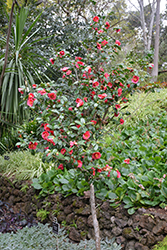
94,217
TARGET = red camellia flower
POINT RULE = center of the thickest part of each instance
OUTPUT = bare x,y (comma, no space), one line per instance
95,84
128,85
96,155
121,121
45,135
21,90
34,86
135,79
120,84
100,31
102,96
119,92
107,25
117,106
70,108
79,102
79,164
116,114
65,69
68,72
42,92
31,95
51,141
52,96
85,99
72,143
62,53
106,75
118,174
151,65
63,150
104,42
118,30
96,19
70,152
86,135
118,42
99,46
61,167
52,60
32,145
109,84
30,101
94,171
46,128
78,126
124,99
78,58
127,161
94,122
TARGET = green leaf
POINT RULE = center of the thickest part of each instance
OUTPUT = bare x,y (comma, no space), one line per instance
112,196
36,185
131,211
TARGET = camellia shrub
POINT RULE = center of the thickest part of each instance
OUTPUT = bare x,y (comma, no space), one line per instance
73,112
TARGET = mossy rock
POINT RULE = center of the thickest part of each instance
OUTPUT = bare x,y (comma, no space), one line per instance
161,245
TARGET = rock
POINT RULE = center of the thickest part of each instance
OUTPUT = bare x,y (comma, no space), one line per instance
70,218
150,239
90,221
112,219
159,228
83,210
106,215
116,231
74,235
139,246
121,223
120,240
108,234
105,206
104,223
81,222
61,216
67,210
128,233
147,222
130,245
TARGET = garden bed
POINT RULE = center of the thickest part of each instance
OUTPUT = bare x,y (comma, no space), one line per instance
142,230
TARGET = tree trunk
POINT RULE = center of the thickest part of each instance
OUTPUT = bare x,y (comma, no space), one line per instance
143,25
94,217
151,25
156,46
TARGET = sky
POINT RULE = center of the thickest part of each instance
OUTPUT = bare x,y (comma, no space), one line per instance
162,4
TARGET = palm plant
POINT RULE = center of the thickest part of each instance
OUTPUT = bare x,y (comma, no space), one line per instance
21,68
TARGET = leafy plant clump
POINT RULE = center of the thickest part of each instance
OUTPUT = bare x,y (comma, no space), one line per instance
139,152
23,165
41,237
11,222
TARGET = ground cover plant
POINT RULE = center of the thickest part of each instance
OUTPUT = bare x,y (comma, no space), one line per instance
22,165
41,237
